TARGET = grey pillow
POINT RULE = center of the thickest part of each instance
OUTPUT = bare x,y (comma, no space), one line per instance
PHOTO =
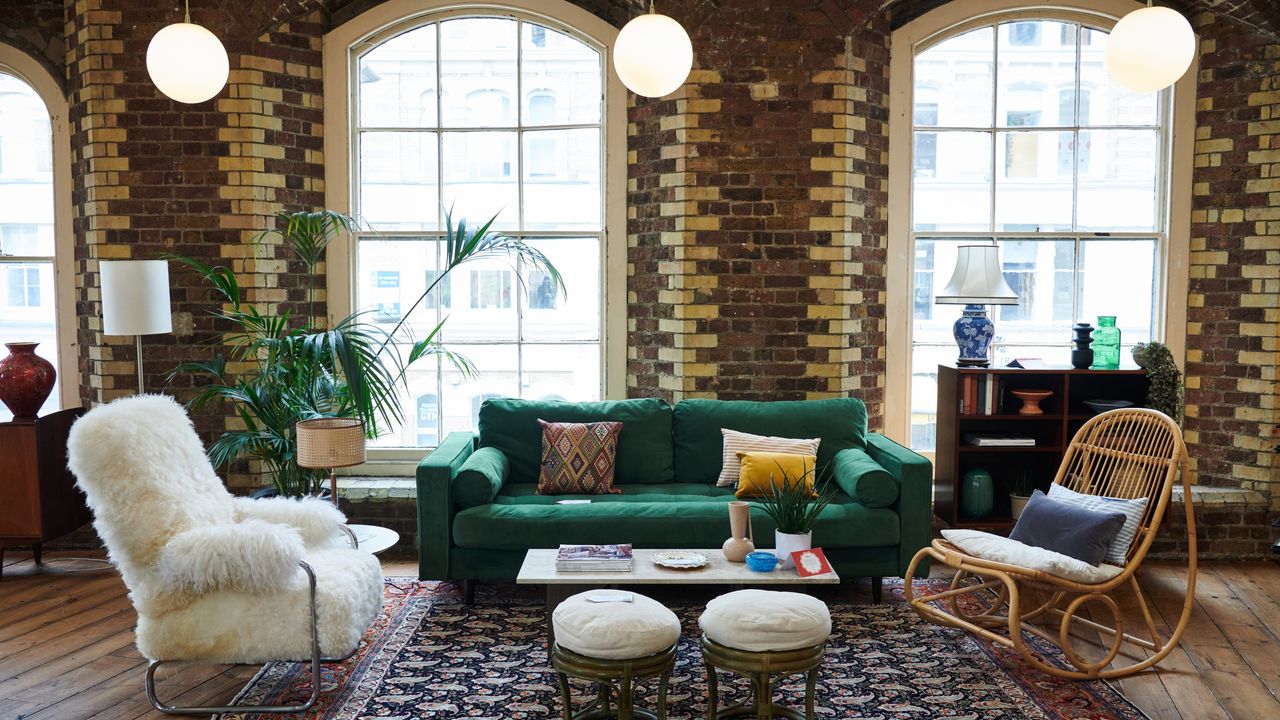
1072,531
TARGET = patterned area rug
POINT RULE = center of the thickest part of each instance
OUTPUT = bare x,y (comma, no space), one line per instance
431,656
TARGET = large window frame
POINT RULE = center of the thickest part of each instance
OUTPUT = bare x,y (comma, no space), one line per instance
1174,205
342,47
27,69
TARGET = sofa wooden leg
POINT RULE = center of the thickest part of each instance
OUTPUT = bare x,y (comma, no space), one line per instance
469,591
877,589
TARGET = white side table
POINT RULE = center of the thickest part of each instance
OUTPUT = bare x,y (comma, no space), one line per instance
374,538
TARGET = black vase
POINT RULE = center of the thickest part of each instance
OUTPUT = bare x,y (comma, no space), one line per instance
1081,353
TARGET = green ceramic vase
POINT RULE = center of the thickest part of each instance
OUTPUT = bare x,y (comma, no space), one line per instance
977,494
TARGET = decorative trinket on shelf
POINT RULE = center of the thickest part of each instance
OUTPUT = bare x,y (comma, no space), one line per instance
1081,352
26,379
1031,400
1106,344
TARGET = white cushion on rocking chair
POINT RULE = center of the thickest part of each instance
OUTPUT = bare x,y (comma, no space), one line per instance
1011,552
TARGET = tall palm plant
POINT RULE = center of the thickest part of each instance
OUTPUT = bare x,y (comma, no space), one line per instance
287,370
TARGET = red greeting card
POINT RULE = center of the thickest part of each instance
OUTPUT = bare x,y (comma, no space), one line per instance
810,562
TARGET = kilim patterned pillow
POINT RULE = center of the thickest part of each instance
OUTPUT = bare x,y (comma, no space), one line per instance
578,458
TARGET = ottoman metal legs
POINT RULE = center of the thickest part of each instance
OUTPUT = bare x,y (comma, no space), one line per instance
604,673
759,666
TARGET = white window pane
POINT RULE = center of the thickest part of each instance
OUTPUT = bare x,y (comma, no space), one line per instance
1118,277
574,315
398,81
1111,103
390,277
480,176
27,315
562,180
1031,194
1118,179
561,78
418,394
958,72
1041,272
398,180
483,303
497,367
478,72
955,194
568,372
1034,67
24,239
925,360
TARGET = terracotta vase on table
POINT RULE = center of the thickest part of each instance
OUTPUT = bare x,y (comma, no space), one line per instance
740,543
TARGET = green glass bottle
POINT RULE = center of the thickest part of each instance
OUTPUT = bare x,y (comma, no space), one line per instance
1106,344
977,494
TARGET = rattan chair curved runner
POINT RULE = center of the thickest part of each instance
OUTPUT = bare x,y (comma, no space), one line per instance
1129,453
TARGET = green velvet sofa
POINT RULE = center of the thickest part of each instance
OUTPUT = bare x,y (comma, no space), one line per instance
478,511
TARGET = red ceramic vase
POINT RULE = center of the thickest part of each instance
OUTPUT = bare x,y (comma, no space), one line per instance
26,379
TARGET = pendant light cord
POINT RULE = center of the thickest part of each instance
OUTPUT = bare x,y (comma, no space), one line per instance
186,10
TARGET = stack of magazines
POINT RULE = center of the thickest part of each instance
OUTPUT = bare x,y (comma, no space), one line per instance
594,558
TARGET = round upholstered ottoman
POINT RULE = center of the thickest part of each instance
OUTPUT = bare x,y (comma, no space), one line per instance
759,633
608,642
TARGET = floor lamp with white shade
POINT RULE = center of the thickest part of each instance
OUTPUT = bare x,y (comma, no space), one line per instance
135,300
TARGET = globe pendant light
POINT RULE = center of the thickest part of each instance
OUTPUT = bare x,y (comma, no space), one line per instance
653,55
1150,48
187,62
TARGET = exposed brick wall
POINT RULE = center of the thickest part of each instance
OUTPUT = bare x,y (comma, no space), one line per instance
35,28
1233,315
153,176
756,228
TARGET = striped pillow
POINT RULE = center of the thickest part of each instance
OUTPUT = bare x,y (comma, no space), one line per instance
1131,509
739,442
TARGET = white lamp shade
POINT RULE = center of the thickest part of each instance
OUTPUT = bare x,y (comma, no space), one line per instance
1150,48
653,55
187,62
135,297
977,279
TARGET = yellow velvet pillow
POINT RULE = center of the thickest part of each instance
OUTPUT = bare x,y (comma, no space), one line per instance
756,469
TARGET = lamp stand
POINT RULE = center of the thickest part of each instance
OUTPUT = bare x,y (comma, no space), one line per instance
973,333
138,340
333,486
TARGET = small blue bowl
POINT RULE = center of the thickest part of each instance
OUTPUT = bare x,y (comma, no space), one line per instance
761,561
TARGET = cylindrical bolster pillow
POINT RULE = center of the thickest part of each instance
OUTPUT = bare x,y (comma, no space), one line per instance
862,479
480,478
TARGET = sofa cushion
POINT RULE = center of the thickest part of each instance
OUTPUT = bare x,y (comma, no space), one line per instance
644,446
480,478
654,516
863,479
578,458
839,423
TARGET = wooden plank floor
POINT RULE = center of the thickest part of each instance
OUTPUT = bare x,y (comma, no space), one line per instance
66,647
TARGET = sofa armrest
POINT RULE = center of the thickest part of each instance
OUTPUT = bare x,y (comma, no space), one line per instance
915,497
480,478
435,503
250,556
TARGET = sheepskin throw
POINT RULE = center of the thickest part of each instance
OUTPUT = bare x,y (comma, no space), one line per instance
214,578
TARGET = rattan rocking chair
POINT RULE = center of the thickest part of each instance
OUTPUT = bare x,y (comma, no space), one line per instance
1126,453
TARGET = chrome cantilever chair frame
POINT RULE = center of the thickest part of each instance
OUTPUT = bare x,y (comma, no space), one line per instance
315,660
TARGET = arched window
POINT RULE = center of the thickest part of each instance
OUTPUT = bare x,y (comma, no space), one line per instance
500,111
34,304
1028,144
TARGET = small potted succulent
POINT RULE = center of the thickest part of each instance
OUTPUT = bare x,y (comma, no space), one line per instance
794,504
1022,489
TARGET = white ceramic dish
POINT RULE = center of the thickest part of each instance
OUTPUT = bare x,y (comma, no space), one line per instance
680,559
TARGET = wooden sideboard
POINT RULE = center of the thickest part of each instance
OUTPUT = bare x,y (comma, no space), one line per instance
38,497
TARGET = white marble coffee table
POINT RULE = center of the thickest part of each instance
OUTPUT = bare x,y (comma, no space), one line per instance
539,568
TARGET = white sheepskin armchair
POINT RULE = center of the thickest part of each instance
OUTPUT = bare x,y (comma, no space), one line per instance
214,578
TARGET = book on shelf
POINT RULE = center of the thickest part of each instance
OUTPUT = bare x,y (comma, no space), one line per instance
999,441
980,395
594,558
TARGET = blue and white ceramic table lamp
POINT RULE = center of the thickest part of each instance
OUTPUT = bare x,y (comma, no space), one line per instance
976,283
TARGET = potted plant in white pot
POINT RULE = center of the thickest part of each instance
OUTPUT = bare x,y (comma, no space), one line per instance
1022,489
794,504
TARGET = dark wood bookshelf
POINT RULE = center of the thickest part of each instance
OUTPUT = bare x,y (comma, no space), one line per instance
1064,413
